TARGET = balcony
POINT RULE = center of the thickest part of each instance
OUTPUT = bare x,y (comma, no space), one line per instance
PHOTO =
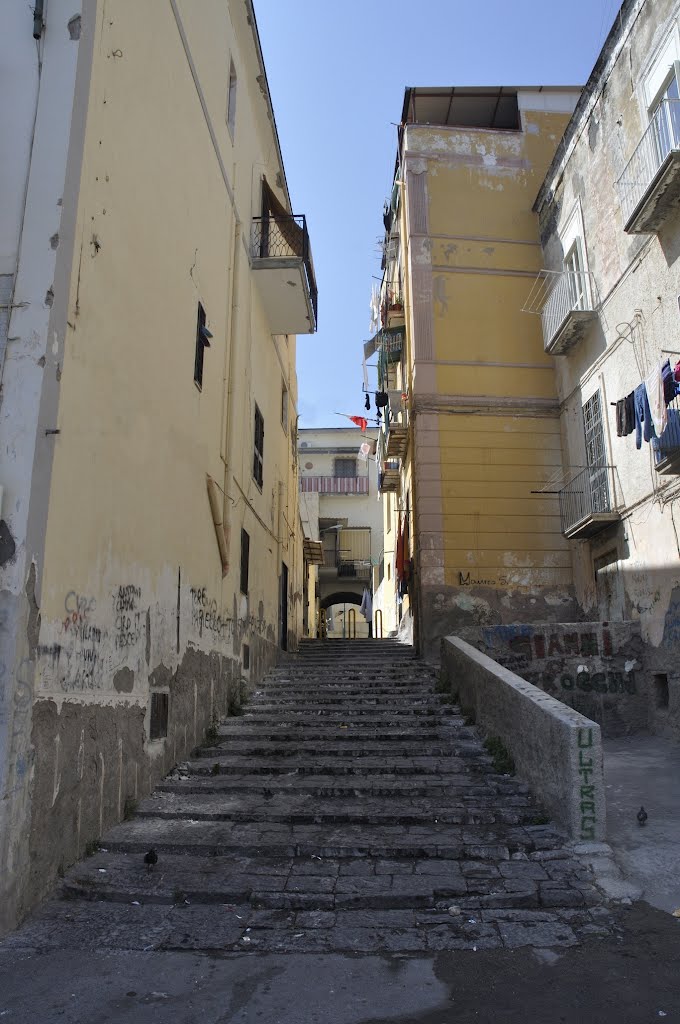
586,506
350,556
649,188
667,447
334,484
389,475
397,440
281,255
564,302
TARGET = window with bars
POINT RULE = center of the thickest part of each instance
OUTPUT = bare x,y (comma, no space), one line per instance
258,452
158,725
245,561
345,468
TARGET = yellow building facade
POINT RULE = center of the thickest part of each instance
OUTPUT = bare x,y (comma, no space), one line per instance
477,439
159,545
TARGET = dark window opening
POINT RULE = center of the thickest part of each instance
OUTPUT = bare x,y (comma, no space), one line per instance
245,561
158,727
258,454
661,695
203,337
346,467
246,657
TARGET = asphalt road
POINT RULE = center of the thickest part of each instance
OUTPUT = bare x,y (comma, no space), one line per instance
633,978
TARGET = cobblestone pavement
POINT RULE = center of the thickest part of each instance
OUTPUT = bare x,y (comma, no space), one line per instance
348,810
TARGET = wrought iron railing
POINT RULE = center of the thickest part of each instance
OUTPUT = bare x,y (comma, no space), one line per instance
352,554
285,238
587,494
571,290
667,447
334,484
659,140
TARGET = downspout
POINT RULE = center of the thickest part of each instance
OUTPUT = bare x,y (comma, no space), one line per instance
228,393
413,531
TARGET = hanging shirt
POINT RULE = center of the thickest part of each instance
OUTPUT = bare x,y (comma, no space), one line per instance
642,415
657,402
366,607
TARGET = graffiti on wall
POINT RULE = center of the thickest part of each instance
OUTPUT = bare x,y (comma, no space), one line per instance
563,662
586,770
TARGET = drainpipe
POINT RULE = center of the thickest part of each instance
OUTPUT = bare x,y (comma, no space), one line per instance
228,393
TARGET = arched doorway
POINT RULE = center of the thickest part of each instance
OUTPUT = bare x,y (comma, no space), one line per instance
336,606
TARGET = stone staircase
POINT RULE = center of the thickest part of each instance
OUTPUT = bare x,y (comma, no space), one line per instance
349,809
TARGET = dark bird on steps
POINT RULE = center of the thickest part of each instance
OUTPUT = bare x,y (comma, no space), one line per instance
642,816
150,859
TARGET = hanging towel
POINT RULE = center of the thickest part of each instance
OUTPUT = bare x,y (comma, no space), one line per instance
655,397
366,607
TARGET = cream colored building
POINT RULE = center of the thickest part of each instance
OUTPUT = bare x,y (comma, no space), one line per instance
339,502
152,282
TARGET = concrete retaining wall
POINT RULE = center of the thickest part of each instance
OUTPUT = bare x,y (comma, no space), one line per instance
556,749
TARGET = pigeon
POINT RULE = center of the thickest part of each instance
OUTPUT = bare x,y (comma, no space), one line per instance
150,859
642,816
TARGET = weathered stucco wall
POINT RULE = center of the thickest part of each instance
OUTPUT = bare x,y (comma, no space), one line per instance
556,749
484,405
598,669
130,599
631,571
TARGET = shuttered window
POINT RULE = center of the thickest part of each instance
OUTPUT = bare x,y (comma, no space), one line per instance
245,561
258,453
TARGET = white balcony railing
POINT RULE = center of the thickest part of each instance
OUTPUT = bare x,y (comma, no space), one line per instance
643,186
334,484
564,301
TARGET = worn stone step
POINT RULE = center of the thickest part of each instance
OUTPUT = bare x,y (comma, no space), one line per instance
341,712
221,838
246,730
282,765
351,747
304,808
237,927
466,784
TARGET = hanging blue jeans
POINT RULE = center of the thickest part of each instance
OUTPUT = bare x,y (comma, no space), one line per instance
642,415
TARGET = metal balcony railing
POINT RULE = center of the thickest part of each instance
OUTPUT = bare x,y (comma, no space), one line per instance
565,302
585,502
571,293
285,238
660,140
351,556
667,447
334,484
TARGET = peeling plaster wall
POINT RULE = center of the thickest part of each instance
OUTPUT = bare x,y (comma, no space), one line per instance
484,409
127,595
48,82
636,282
598,669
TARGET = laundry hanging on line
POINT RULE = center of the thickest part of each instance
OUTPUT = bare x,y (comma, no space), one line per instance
644,409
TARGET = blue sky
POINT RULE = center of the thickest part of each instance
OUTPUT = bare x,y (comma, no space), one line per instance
337,73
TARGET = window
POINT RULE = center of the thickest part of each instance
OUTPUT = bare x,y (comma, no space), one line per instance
246,657
231,100
158,727
258,454
596,454
245,561
203,337
345,467
573,265
284,407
